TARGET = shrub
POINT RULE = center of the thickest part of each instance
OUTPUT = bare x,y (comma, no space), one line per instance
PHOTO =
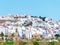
57,35
57,43
51,43
8,43
24,43
35,43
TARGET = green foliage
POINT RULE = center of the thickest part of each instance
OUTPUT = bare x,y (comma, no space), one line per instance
57,35
35,43
9,40
57,43
12,35
6,35
37,39
2,34
24,43
8,43
51,43
29,43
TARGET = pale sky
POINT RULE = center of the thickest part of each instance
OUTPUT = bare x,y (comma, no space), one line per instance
45,8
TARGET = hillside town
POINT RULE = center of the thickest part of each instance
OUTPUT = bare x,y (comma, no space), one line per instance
28,27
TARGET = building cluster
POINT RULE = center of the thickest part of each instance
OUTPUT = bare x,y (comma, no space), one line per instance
30,27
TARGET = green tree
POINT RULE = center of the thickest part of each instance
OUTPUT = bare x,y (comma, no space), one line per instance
2,34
